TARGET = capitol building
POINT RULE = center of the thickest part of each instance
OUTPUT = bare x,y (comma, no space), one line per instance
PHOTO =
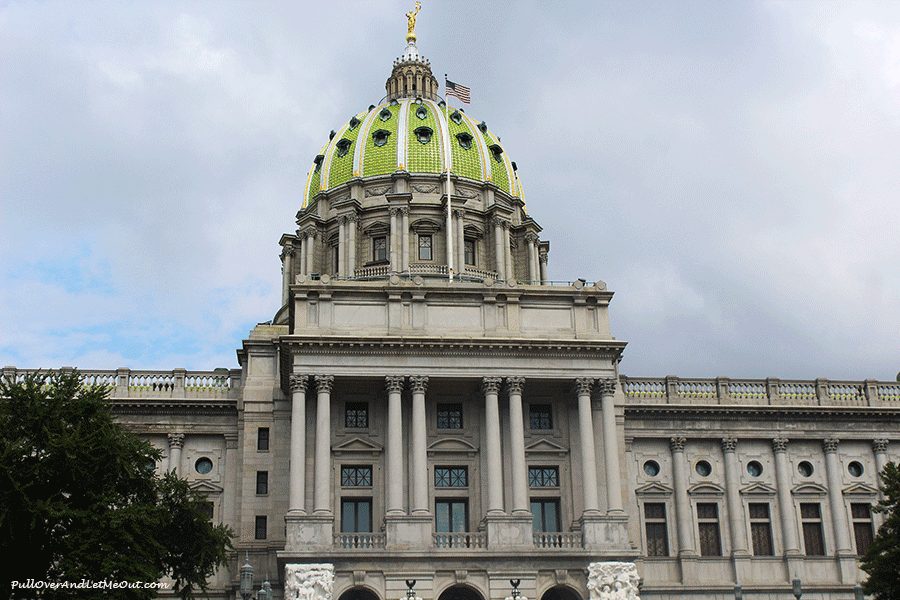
432,414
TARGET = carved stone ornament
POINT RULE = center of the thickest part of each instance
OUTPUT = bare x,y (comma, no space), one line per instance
394,383
298,382
583,386
418,383
325,383
830,445
515,385
607,387
425,189
308,582
544,257
491,385
377,191
729,444
677,443
779,444
176,440
880,445
613,581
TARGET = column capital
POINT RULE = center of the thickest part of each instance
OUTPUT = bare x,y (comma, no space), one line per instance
458,212
418,383
515,385
231,440
325,383
491,385
176,440
830,445
583,385
298,382
394,383
394,211
544,257
880,445
404,211
287,250
779,444
531,237
729,444
676,443
607,386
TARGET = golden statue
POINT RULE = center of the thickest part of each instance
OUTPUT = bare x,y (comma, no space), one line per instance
411,22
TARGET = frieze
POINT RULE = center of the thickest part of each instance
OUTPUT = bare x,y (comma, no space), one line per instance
377,191
425,189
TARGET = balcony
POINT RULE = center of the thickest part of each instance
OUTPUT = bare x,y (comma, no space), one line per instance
359,541
460,539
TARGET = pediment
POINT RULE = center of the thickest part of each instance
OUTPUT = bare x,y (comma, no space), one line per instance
654,488
758,489
706,489
206,487
357,444
810,489
425,226
376,228
860,489
545,445
473,231
452,444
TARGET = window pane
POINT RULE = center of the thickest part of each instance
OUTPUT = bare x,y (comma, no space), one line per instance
424,247
655,510
356,476
657,540
710,544
449,416
458,520
262,482
543,477
451,477
348,516
861,511
759,510
545,515
812,539
379,249
707,510
262,439
364,516
810,511
864,537
356,415
470,252
442,516
540,416
762,539
261,528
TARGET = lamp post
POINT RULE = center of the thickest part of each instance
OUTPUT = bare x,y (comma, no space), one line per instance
797,588
246,572
265,592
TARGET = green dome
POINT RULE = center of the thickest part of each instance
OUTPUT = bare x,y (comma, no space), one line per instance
410,135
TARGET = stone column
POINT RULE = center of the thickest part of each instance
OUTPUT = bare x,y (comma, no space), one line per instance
460,242
351,245
418,474
520,501
404,237
507,247
836,497
322,492
491,388
176,443
392,250
499,258
879,447
310,252
297,490
342,247
611,447
287,273
736,524
583,387
531,240
543,260
232,481
789,533
394,458
682,503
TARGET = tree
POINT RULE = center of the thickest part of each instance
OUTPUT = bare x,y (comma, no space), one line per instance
882,560
79,499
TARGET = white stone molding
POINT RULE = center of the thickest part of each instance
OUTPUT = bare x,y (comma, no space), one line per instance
308,582
613,581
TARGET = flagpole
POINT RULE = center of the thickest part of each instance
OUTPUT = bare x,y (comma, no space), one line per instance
449,161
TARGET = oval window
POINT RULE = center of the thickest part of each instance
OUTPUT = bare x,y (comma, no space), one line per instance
754,468
380,137
343,146
422,112
651,468
805,468
855,469
203,465
423,134
353,123
385,114
703,468
465,140
456,117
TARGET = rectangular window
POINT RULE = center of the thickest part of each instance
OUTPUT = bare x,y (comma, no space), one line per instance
540,477
356,415
540,416
356,476
262,527
451,477
545,514
262,439
262,483
657,530
451,515
708,524
449,416
862,527
470,252
356,515
379,249
811,518
335,259
207,509
761,529
425,247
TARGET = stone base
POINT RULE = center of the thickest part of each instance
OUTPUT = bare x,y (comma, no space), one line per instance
607,534
309,532
613,581
407,532
308,582
508,531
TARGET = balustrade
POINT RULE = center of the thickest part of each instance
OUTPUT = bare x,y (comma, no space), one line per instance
460,539
359,541
557,539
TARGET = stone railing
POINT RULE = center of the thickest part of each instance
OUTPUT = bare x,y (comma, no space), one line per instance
374,271
722,390
557,539
177,383
359,541
460,539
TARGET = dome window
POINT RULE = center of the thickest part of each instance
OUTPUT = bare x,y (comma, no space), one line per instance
497,151
371,106
380,137
331,134
394,102
482,127
442,104
456,117
385,114
318,161
423,134
343,147
422,112
354,122
465,140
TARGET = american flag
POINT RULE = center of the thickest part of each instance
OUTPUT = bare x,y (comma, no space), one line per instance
457,91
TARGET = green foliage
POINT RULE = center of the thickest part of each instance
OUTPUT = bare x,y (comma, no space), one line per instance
78,501
883,558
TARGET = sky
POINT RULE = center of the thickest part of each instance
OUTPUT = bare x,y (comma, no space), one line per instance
729,169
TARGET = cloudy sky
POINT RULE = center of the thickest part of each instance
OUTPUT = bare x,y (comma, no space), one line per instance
730,169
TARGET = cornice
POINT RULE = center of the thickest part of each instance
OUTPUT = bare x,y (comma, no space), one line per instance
666,411
180,406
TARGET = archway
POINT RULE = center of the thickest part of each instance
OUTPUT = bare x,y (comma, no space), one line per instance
560,592
460,592
359,593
